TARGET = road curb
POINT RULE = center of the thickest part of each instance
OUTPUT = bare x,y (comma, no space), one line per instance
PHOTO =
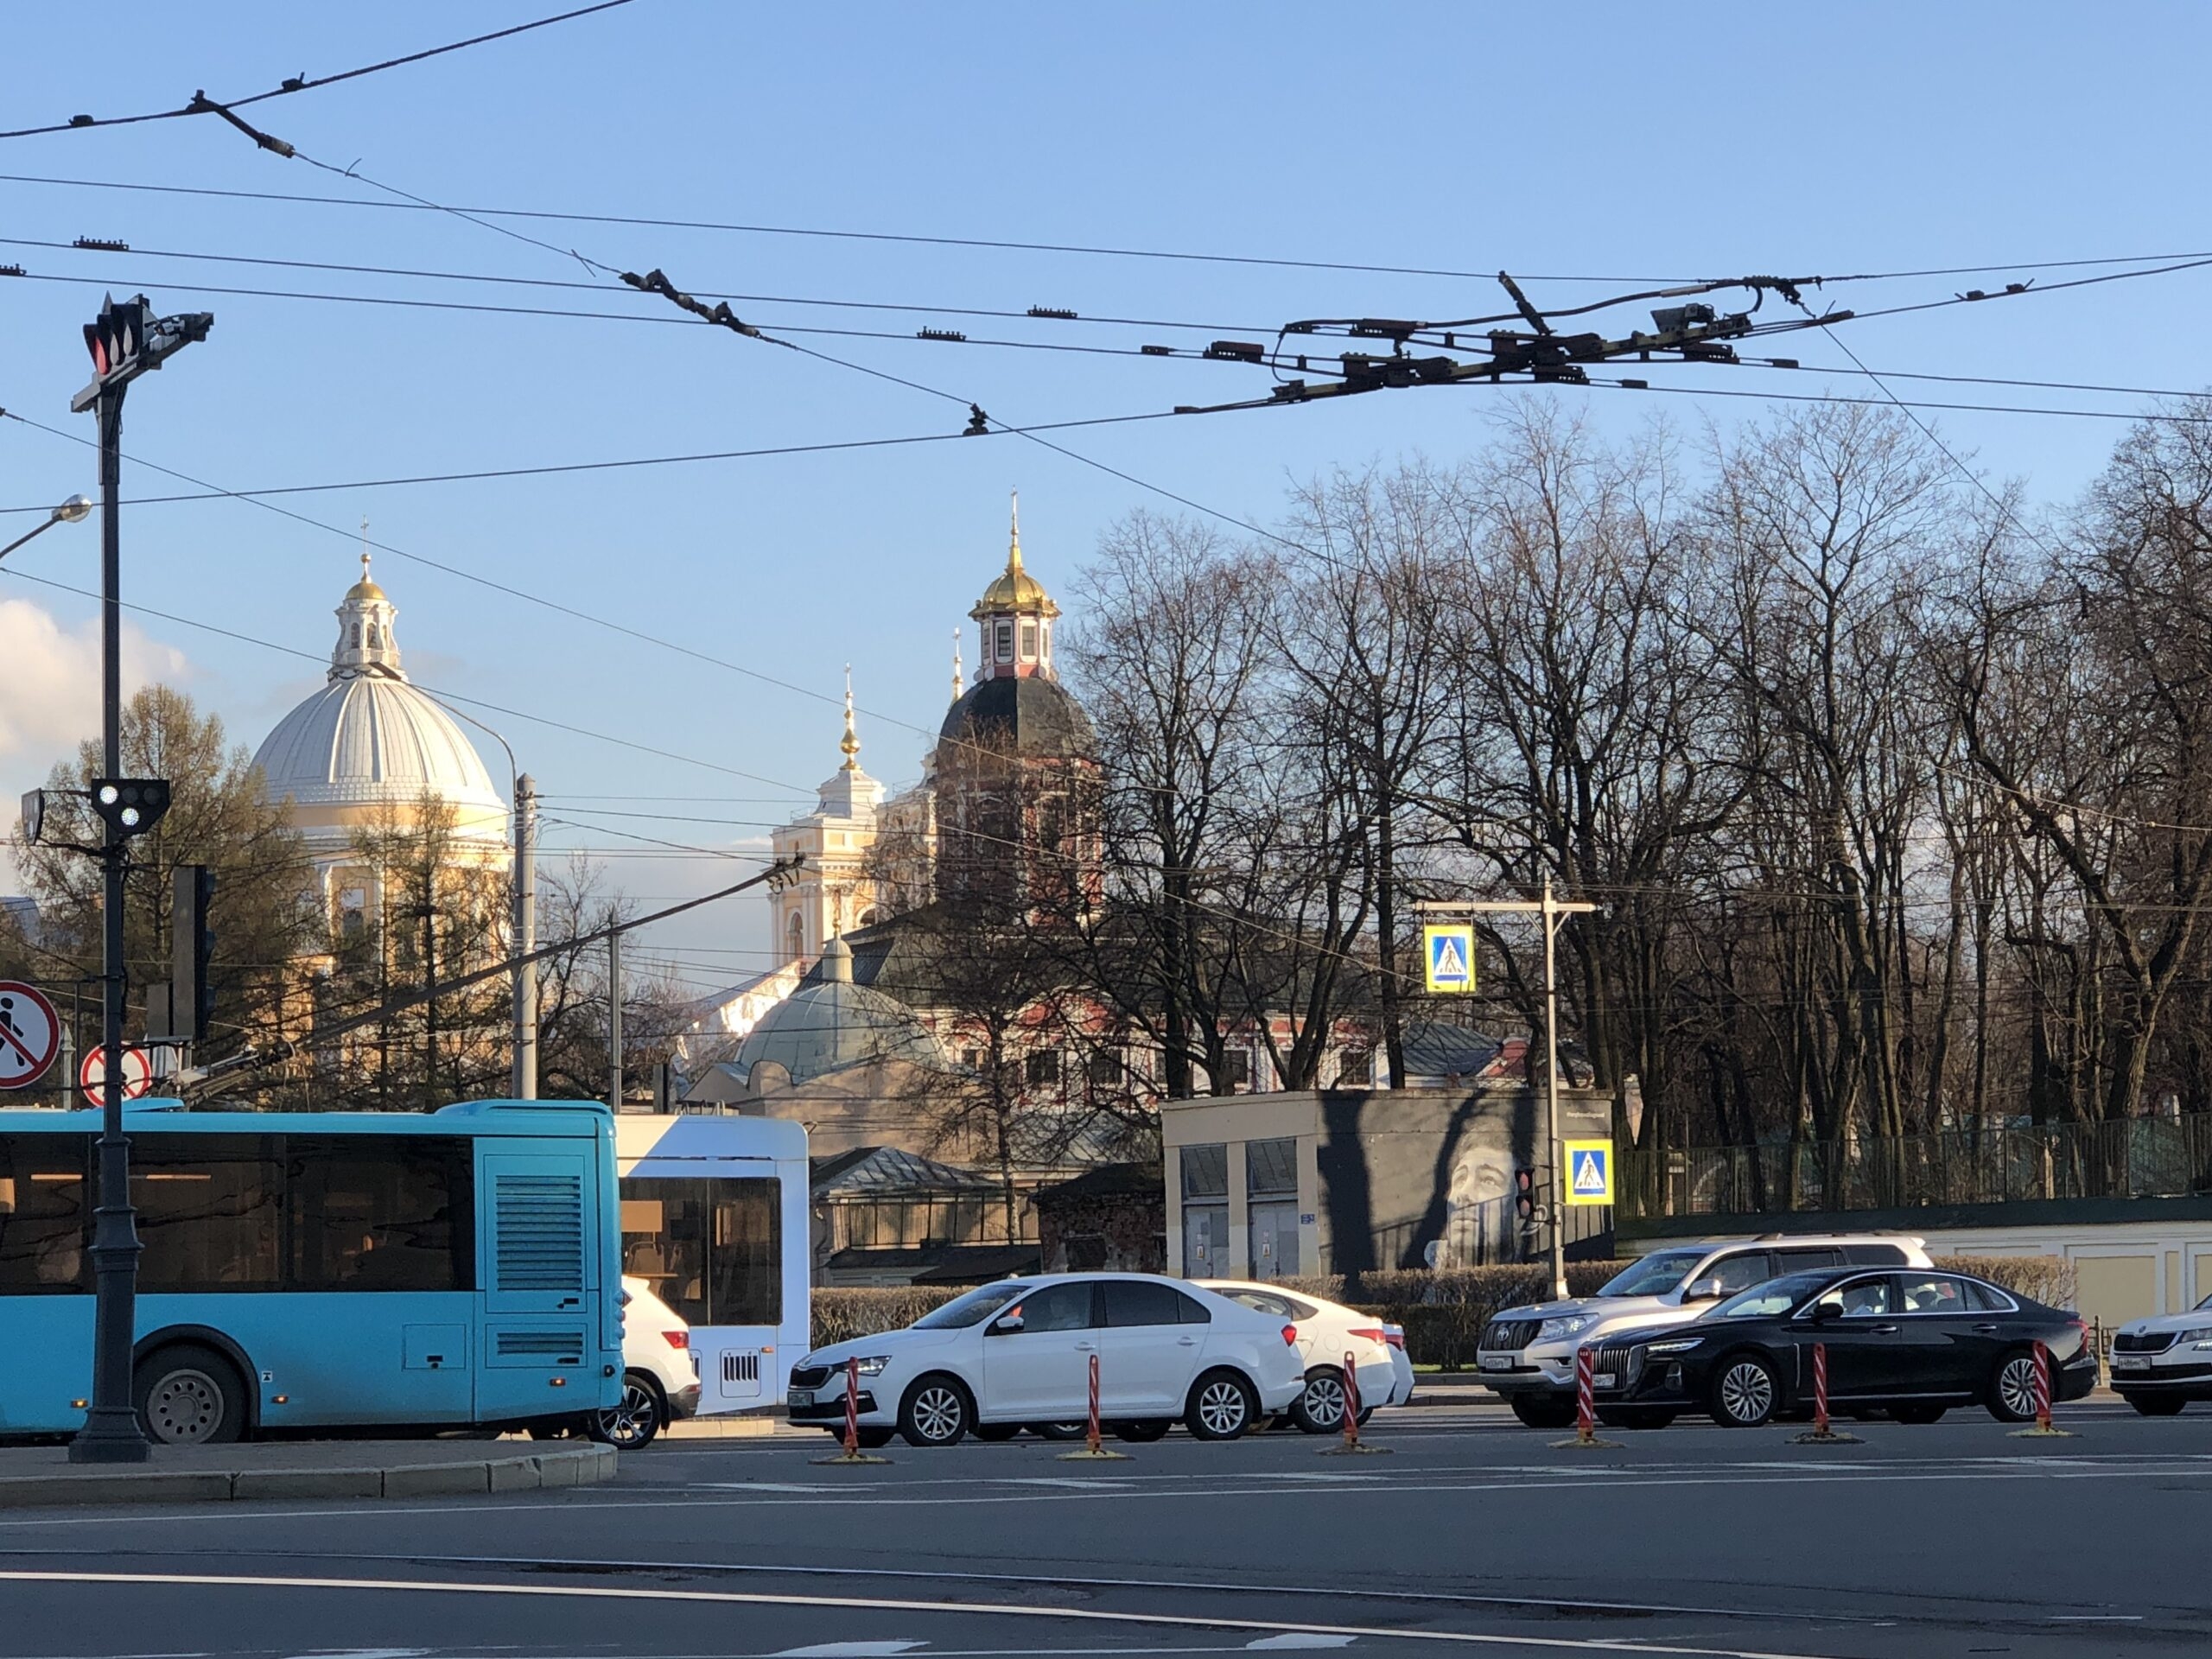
580,1466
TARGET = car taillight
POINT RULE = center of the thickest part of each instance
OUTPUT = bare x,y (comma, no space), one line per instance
2081,1335
678,1338
1290,1336
1369,1333
1395,1335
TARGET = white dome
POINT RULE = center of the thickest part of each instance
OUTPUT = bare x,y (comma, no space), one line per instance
369,739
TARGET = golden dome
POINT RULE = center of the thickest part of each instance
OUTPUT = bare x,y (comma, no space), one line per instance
1016,590
364,588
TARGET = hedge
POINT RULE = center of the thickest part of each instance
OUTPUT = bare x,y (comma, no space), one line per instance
1443,1311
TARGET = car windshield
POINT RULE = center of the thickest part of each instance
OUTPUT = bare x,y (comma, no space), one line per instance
1658,1274
1775,1296
974,1308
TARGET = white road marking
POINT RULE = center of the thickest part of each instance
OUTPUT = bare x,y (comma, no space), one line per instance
850,1650
884,1604
2096,1618
1296,1639
1080,1483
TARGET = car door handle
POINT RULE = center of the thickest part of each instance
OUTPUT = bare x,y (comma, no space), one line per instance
1988,1329
1186,1342
1885,1329
1084,1347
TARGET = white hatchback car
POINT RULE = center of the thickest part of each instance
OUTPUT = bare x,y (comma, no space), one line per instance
1018,1353
1326,1332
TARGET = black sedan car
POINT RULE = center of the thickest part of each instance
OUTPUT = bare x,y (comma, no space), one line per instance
1913,1342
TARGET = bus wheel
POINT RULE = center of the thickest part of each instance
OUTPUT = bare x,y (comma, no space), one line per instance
189,1395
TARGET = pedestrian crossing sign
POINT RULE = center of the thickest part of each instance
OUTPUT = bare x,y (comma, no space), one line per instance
1589,1171
1448,955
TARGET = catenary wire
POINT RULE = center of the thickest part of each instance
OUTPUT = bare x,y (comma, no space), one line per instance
304,84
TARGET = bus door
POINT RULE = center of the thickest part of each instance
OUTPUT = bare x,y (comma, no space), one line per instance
539,1224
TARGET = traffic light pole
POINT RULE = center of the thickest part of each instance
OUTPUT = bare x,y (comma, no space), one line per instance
1550,909
110,1433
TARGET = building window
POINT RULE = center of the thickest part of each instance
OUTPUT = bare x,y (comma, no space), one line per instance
972,1059
1029,642
372,636
1105,1066
1005,642
795,939
1355,1069
1045,1069
1237,1068
357,636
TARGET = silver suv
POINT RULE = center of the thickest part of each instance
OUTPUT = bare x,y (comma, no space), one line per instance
1527,1354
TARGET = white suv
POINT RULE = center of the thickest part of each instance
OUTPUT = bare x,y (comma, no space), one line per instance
1017,1354
2161,1364
1527,1354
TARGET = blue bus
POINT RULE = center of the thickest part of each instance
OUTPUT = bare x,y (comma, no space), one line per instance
318,1270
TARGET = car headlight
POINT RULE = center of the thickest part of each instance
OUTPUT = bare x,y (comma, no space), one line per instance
874,1367
2201,1337
1571,1324
1676,1346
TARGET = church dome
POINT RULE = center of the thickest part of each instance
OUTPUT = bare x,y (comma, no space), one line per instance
1016,591
829,1024
370,739
1031,716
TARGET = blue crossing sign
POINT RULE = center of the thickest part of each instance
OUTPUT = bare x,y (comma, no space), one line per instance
1589,1171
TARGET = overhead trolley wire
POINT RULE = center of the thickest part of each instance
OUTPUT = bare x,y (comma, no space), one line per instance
307,84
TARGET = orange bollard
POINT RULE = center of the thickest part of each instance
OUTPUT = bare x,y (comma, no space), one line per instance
1822,1433
852,1454
1353,1447
1585,1406
1095,1448
2044,1429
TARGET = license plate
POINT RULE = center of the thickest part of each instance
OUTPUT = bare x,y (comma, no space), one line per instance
802,1396
2131,1363
1498,1362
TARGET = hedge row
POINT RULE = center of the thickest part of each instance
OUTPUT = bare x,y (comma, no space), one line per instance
1443,1311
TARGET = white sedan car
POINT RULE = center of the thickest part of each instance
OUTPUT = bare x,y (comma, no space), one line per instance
1017,1354
1326,1332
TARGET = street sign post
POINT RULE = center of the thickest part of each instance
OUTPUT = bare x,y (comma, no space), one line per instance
1589,1171
138,1074
1448,957
30,1035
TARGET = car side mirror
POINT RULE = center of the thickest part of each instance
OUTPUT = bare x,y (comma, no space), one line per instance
1826,1309
1705,1290
1006,1325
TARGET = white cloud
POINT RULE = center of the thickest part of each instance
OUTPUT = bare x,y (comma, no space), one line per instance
50,689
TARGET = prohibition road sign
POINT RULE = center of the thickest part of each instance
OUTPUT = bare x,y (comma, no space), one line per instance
137,1075
30,1031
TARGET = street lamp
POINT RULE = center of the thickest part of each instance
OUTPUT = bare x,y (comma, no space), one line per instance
74,511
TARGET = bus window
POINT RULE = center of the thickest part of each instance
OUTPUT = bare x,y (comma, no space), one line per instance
711,1249
42,1214
209,1210
381,1212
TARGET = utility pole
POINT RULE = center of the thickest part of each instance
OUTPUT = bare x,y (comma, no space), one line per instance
126,342
614,1019
525,1081
1550,909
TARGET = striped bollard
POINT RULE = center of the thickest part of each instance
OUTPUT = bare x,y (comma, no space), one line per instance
1586,1404
1095,1449
1822,1433
2044,1429
1353,1447
852,1454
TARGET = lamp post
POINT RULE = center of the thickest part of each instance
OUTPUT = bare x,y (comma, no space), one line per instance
74,511
126,340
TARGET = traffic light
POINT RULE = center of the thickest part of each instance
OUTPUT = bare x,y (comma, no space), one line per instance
1524,1195
127,339
131,806
116,337
191,946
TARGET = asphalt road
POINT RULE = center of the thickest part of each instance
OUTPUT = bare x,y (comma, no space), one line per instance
1471,1535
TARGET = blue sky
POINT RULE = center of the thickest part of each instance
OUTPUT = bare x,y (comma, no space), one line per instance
1558,140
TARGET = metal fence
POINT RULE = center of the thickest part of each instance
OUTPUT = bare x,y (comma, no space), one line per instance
2133,1158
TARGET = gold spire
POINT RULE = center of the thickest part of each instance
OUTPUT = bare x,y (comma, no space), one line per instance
957,686
1013,541
851,742
1016,590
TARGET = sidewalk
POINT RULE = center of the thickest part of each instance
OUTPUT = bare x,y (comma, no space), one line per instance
33,1477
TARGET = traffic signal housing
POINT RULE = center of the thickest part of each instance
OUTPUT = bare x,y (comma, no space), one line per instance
192,945
1524,1195
130,806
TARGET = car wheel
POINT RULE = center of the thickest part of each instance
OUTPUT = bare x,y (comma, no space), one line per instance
2012,1388
2156,1405
1320,1409
1060,1430
632,1423
1918,1413
1222,1407
1537,1412
189,1395
1744,1392
934,1411
1638,1417
1143,1431
995,1433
